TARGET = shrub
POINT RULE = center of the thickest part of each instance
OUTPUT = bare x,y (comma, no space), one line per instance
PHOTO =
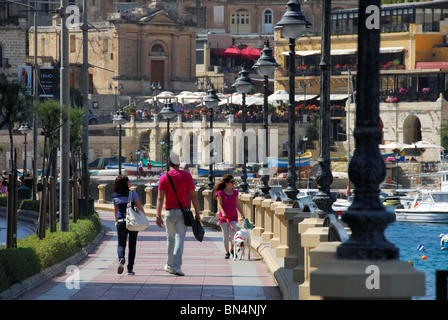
33,255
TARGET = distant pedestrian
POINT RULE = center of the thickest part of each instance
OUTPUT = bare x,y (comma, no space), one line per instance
174,220
4,184
227,199
120,200
140,168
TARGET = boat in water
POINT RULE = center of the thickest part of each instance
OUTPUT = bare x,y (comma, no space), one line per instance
281,164
427,206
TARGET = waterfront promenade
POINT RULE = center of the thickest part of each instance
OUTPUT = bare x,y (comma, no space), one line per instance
208,276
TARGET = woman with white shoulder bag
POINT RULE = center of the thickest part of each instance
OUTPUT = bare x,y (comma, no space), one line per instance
122,194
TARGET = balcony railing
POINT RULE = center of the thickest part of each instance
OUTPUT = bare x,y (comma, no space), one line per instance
409,96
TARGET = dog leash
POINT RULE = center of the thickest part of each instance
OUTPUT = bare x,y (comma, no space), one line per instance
227,219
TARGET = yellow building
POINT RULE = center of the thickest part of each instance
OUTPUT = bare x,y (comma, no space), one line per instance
413,70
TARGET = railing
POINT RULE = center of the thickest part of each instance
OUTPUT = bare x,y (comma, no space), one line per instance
409,96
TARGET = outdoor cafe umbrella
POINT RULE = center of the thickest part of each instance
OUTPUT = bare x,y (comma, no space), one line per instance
395,146
278,96
423,145
251,53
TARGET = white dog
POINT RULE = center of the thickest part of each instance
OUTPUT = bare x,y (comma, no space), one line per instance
241,240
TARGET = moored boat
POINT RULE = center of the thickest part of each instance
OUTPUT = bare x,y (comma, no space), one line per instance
281,164
427,206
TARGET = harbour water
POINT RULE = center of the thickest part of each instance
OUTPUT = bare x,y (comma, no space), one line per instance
23,230
408,236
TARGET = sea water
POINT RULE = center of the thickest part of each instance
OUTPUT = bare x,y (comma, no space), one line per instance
23,230
408,237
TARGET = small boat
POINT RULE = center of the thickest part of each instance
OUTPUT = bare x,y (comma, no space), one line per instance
427,206
281,164
220,170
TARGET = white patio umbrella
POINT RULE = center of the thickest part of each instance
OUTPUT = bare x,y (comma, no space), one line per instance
424,145
187,97
278,96
395,145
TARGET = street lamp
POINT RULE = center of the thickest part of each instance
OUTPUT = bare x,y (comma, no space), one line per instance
305,139
397,158
266,66
243,85
119,120
162,143
169,114
211,101
292,25
24,129
156,87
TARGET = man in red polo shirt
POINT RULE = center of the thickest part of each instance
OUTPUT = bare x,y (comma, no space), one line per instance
174,219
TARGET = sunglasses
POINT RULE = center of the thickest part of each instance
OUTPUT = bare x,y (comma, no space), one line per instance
233,181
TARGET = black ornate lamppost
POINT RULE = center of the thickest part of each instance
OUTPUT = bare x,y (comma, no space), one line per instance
211,101
24,129
367,217
324,199
266,66
169,114
119,120
156,87
243,85
292,26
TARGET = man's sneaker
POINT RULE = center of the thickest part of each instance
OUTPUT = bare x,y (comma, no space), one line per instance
227,256
130,273
121,266
169,270
179,273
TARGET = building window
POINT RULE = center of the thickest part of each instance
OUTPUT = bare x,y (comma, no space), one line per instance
267,22
72,43
240,22
157,48
199,14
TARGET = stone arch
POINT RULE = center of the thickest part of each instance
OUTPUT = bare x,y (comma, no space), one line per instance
412,129
143,144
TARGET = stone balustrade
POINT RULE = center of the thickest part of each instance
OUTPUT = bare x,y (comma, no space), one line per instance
306,244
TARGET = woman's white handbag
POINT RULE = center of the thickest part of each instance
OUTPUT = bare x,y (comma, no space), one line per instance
135,219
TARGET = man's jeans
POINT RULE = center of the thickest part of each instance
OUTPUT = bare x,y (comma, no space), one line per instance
175,230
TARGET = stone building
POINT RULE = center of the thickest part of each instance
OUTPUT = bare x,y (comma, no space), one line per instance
412,75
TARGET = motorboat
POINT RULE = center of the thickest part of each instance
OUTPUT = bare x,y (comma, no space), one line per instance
427,206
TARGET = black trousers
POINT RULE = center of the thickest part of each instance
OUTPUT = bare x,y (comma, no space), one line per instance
123,234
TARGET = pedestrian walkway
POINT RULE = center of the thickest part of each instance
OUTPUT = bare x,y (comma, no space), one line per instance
208,276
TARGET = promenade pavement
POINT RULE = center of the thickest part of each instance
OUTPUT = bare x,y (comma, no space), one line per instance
208,276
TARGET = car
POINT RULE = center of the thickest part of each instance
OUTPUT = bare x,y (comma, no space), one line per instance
93,119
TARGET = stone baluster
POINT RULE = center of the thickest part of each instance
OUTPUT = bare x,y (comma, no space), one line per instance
102,193
208,202
275,240
268,233
295,258
148,204
311,238
259,217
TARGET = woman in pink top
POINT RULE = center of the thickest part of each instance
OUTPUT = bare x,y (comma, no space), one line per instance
228,205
